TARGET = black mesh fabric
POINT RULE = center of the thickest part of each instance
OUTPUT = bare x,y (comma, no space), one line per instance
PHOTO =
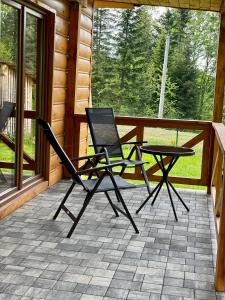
107,185
5,113
103,130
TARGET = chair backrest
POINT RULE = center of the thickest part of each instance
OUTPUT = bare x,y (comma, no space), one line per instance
59,150
5,113
104,131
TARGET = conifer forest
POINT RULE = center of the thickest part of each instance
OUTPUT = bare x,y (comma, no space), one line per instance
128,56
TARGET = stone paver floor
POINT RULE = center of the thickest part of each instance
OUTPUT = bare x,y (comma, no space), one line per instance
105,259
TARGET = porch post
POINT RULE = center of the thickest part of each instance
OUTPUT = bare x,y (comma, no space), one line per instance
220,75
73,48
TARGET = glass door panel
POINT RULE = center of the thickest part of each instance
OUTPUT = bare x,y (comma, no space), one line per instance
9,19
32,53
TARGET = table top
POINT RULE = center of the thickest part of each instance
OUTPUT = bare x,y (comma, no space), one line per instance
167,150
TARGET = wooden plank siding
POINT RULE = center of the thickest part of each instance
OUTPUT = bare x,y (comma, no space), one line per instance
83,83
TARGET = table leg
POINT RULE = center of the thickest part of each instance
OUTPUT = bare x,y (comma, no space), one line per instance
165,172
159,186
179,197
149,196
171,200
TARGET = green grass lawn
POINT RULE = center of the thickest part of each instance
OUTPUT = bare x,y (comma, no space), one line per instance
8,155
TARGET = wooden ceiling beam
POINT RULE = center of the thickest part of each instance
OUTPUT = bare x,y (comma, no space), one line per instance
208,5
111,4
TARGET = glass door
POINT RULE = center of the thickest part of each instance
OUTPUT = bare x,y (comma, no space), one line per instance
21,66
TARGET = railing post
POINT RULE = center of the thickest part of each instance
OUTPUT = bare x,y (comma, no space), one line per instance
211,160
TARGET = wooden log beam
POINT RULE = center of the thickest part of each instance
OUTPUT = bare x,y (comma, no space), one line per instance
72,61
222,7
220,75
111,4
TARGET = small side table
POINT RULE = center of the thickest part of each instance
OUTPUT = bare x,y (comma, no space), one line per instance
159,151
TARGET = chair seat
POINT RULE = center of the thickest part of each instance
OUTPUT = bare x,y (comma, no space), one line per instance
107,185
127,162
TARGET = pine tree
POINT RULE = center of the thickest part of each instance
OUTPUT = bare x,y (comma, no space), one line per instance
182,70
104,77
135,43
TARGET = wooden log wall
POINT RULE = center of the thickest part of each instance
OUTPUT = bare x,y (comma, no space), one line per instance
83,83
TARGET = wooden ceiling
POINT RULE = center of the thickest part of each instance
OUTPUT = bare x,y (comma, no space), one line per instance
211,5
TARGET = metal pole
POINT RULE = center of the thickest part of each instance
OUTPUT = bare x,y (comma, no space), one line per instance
163,84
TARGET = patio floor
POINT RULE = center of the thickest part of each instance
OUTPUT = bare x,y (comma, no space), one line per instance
104,258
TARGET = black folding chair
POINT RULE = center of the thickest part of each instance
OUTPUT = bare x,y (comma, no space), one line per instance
5,113
104,182
104,133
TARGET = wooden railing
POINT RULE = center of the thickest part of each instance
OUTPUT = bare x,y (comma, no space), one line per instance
203,135
218,197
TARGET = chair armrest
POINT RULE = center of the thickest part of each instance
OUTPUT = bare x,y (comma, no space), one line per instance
103,145
134,143
87,156
105,167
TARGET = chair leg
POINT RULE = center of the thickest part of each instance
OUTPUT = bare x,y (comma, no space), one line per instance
127,213
110,202
64,200
85,204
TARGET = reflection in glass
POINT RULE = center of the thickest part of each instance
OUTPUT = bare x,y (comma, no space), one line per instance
8,93
31,46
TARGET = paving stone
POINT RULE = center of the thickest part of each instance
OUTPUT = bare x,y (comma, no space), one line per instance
204,295
96,290
32,272
44,283
173,281
91,297
117,293
64,286
100,281
37,292
59,295
75,278
174,291
134,295
131,285
151,287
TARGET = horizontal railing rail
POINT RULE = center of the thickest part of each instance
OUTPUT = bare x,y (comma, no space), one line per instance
218,197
